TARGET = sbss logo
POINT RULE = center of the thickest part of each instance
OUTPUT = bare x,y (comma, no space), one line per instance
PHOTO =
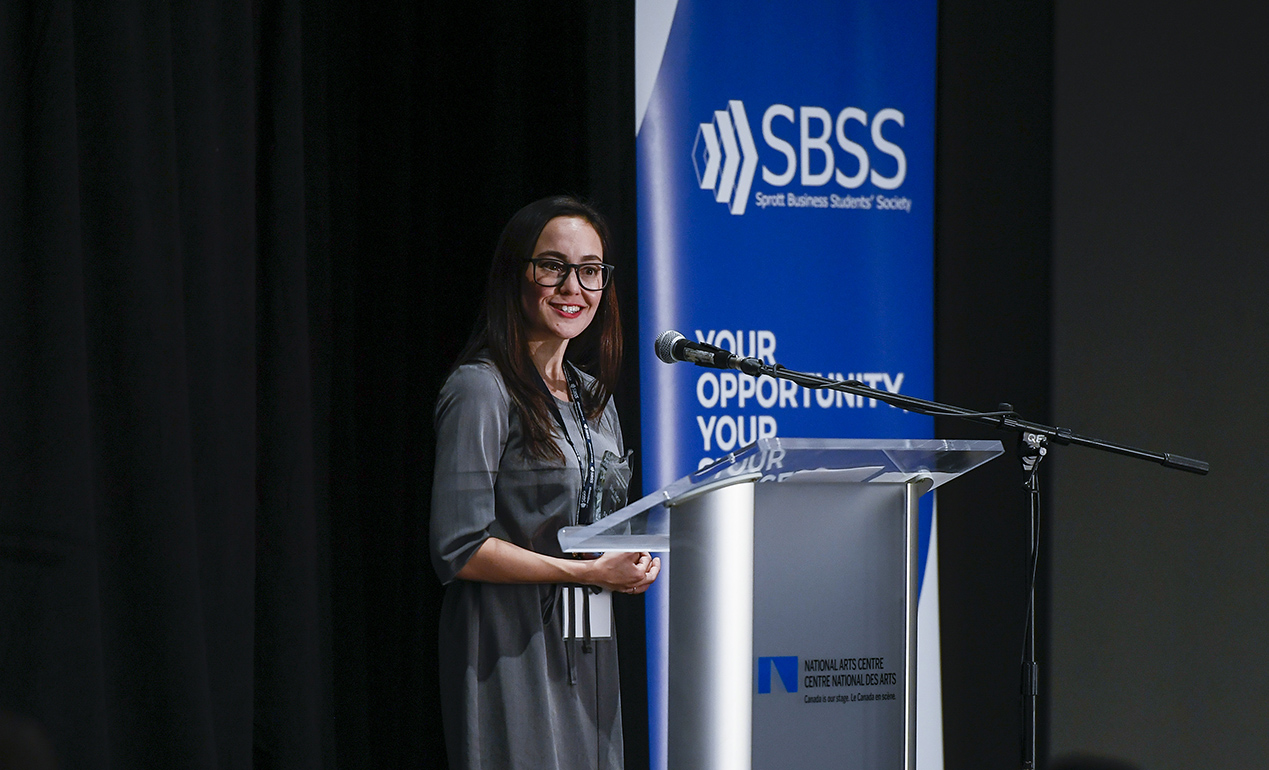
725,156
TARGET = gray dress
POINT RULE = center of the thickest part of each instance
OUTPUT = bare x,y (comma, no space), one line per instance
514,693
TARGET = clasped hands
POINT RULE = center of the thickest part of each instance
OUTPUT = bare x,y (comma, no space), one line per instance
627,573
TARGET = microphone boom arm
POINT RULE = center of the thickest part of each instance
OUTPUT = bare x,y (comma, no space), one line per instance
1006,419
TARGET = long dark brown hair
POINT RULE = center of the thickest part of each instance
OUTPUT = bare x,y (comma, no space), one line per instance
501,331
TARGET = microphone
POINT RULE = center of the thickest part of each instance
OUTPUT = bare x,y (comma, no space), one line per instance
672,346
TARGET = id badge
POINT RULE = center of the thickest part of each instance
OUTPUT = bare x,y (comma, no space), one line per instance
600,614
611,484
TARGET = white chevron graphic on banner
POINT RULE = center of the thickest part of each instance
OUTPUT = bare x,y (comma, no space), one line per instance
737,159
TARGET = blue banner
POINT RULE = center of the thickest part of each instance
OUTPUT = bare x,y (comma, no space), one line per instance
786,194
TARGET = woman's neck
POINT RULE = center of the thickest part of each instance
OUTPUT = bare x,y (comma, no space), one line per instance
548,358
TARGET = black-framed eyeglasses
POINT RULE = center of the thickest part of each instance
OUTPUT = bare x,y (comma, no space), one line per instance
591,276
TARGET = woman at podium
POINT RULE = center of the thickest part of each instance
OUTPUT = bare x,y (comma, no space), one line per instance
526,430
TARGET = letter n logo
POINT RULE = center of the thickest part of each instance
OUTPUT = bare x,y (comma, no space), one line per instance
785,665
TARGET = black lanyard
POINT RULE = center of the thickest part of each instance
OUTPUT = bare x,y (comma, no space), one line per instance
587,469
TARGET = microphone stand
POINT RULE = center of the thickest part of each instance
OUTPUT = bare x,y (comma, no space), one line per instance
1033,445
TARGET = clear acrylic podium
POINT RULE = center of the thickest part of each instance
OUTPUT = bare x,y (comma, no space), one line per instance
793,606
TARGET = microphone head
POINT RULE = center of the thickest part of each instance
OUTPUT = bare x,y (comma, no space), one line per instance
665,345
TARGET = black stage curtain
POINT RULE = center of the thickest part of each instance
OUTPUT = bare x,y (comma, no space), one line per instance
240,244
992,342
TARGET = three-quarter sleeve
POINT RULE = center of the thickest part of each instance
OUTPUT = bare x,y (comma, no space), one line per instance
471,433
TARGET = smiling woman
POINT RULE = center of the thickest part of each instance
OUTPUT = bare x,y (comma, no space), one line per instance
563,287
528,664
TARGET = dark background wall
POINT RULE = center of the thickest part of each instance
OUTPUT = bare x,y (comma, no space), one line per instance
1161,340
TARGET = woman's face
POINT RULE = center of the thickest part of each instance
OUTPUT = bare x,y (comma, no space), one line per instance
564,311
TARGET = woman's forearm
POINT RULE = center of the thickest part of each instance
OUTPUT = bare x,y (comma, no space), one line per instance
497,561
